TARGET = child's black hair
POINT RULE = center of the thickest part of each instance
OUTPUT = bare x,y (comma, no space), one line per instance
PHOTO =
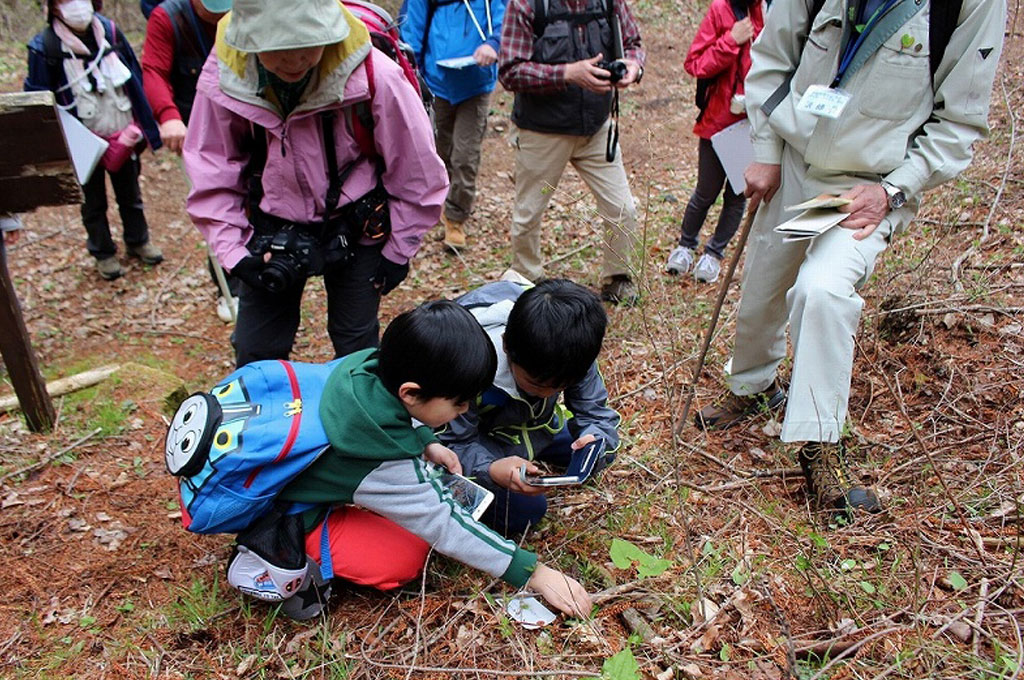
555,331
441,347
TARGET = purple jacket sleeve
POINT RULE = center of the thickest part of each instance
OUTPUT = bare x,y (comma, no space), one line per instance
415,176
215,164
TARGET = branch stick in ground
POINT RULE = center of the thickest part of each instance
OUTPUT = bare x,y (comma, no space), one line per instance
723,290
979,615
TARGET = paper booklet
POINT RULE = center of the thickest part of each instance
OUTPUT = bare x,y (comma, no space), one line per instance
734,149
818,216
457,62
86,148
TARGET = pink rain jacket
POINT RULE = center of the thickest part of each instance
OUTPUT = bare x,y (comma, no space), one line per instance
295,182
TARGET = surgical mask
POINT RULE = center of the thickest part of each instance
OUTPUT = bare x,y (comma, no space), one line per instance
77,14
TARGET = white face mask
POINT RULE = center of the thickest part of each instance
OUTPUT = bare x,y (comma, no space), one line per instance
77,14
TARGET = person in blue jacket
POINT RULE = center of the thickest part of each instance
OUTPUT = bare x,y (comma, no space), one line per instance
90,67
456,46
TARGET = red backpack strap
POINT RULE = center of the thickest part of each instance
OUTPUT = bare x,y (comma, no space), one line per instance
362,118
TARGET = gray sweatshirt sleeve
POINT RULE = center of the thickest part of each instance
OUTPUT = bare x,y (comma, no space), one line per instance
404,492
588,401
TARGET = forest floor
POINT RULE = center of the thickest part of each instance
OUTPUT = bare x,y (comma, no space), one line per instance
102,581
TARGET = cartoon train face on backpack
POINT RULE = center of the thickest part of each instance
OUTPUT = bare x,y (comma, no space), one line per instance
190,434
206,427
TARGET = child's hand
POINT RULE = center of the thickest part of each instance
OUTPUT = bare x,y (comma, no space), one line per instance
439,454
505,473
582,441
562,592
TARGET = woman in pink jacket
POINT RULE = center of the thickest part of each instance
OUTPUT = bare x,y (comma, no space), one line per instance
720,56
309,153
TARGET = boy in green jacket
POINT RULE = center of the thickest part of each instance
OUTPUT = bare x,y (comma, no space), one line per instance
379,409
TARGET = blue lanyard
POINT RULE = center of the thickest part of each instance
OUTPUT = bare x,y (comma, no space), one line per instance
851,49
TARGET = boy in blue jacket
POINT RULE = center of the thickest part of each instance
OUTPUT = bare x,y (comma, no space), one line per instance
438,33
90,67
547,338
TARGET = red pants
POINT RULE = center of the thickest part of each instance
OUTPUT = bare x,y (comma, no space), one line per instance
368,549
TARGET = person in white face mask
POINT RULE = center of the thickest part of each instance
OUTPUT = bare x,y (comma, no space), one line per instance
90,67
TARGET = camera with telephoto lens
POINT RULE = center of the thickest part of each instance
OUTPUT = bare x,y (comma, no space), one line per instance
294,255
617,69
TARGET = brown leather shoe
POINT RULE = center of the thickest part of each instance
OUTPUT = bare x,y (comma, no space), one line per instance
830,483
734,409
454,233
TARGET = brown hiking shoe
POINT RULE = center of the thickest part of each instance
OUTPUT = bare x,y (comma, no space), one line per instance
734,409
147,252
109,268
454,233
830,483
620,290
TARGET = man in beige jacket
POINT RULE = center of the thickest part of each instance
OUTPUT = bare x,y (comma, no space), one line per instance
856,100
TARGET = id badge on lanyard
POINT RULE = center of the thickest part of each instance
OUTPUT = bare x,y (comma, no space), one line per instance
825,102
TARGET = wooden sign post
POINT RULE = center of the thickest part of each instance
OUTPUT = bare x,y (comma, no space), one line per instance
35,170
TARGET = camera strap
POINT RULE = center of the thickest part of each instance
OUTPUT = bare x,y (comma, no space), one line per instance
613,129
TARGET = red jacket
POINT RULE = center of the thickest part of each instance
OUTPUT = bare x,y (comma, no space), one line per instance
714,54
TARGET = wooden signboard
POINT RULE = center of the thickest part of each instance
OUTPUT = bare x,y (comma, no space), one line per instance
35,170
35,167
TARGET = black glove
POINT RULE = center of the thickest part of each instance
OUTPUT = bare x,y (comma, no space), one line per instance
389,275
248,270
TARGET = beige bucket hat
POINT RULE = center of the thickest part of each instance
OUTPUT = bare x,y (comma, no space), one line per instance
268,25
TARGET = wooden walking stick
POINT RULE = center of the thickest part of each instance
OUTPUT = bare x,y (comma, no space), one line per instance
723,289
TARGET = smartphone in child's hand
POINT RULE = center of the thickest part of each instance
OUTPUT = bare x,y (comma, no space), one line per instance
467,493
581,466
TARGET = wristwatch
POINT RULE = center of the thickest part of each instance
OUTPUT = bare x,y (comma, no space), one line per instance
897,199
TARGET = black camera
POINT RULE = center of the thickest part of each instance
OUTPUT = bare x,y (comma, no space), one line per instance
617,69
294,255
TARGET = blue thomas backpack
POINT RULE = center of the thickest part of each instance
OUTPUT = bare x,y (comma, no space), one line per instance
235,448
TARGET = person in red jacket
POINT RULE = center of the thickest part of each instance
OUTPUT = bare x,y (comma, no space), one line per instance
720,56
179,37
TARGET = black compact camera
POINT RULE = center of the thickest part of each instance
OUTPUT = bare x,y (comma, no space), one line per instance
294,254
617,69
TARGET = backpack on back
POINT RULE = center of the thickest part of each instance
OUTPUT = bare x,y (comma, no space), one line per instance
234,448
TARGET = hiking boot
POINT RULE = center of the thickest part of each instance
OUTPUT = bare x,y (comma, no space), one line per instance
109,268
830,483
454,233
147,252
707,269
679,260
620,290
734,409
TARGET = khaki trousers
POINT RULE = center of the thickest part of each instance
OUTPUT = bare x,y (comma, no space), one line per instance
460,133
540,161
811,285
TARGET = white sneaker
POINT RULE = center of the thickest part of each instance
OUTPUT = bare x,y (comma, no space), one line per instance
679,260
224,310
707,269
515,277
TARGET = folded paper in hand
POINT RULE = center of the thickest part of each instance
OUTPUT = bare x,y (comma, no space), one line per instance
818,216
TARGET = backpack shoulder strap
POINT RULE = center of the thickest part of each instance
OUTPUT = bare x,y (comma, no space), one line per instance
942,20
540,16
53,54
782,91
362,118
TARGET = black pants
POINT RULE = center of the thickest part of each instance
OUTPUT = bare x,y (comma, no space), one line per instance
267,322
710,180
129,204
